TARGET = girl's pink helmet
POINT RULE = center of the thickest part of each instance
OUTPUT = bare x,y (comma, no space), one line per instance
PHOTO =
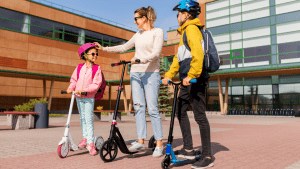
84,47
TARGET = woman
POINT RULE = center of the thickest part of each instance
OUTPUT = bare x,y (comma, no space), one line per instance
144,77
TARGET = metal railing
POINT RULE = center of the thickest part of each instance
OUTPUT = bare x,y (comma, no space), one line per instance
262,112
77,12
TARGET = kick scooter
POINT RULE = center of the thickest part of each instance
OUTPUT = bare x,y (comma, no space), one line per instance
109,150
170,155
67,143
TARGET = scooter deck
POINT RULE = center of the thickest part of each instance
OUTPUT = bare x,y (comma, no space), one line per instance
179,160
146,149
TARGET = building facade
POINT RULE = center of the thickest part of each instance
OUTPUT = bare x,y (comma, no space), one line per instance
256,35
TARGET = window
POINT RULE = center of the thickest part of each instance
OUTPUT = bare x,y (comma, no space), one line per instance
238,53
41,27
13,20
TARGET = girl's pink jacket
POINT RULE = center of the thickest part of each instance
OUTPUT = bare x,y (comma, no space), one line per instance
85,81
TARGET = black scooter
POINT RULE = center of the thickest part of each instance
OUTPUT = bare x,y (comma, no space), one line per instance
170,155
109,150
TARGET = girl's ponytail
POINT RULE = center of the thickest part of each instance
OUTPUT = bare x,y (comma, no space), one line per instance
151,16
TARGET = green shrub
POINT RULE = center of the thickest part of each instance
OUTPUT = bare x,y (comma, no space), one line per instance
29,107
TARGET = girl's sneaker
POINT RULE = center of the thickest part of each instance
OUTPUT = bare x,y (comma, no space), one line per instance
82,144
91,149
158,152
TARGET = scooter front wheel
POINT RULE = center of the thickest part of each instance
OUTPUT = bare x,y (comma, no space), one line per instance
165,162
63,150
108,151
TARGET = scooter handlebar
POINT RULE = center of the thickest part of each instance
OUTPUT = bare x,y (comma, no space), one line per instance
124,62
191,81
65,92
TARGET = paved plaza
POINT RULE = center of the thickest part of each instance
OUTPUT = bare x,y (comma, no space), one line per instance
238,142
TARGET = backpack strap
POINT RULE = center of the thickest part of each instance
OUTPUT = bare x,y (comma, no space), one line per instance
95,69
184,38
78,69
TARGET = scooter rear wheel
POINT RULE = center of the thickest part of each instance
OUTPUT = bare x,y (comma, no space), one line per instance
63,150
152,143
99,142
165,162
108,151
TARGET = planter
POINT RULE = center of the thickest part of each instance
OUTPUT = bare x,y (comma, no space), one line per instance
42,118
20,120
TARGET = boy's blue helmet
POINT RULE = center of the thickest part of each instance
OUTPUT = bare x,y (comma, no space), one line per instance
190,6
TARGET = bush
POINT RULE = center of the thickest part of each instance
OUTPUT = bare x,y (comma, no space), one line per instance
28,107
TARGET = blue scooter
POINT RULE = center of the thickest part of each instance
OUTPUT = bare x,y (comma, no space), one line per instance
170,155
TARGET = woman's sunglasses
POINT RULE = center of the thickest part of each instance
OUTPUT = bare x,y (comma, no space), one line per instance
93,54
135,18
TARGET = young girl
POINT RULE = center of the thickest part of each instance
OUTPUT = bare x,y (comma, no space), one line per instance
145,77
85,83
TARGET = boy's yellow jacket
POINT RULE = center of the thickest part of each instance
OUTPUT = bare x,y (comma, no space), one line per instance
195,42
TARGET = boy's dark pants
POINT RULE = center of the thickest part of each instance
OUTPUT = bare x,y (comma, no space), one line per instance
195,94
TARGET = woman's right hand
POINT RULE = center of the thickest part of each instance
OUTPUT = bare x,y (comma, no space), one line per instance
98,46
165,80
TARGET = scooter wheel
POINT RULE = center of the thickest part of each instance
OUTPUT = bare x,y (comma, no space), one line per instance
63,150
108,151
165,162
152,143
98,142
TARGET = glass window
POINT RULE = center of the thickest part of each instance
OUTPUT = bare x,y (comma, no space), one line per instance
289,47
257,61
12,15
9,19
264,89
237,90
255,51
41,27
289,58
251,90
286,88
72,33
237,100
236,63
265,99
289,99
58,30
91,37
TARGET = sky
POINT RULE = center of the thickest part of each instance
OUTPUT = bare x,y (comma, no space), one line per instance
122,11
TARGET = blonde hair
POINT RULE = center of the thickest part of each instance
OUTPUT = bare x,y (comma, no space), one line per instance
149,13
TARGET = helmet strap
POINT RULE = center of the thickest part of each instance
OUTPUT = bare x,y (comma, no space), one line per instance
87,58
182,22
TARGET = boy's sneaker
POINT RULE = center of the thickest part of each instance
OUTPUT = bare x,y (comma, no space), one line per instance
204,162
91,149
82,144
158,152
187,155
137,147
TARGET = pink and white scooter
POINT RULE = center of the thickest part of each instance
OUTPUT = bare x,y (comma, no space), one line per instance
67,144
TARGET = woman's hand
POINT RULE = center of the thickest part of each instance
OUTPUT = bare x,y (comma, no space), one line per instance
79,92
98,46
165,80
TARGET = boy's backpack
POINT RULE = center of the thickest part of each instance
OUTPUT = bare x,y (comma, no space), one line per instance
211,57
100,92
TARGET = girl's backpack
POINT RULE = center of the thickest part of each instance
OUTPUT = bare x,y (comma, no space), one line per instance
100,92
211,57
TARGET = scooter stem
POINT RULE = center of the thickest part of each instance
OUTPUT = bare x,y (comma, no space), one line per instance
170,138
69,115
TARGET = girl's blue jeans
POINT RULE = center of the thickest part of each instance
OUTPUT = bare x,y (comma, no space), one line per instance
86,111
146,85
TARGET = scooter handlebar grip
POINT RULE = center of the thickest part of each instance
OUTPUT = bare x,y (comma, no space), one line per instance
114,64
138,61
63,92
193,81
84,93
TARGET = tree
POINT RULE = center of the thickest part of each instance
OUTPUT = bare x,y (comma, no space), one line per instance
165,95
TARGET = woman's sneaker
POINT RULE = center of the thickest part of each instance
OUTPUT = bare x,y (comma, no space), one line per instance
203,163
82,144
91,149
186,154
158,152
137,147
